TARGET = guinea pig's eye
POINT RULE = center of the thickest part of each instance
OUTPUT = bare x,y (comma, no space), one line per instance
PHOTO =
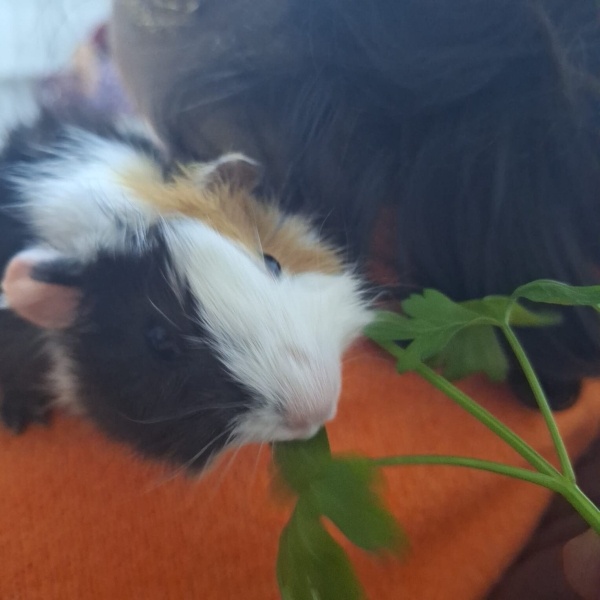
272,265
162,344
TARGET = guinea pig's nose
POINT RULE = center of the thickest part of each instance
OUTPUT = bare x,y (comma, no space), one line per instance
307,419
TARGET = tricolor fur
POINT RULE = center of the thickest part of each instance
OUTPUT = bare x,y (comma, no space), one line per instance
183,339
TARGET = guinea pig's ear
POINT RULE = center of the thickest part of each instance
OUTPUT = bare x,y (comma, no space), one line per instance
41,286
234,169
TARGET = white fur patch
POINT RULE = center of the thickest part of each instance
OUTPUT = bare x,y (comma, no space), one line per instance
281,338
62,378
76,202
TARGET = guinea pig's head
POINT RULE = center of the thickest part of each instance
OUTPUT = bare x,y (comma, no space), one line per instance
216,320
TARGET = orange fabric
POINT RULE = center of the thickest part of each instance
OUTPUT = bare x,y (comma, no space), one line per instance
80,518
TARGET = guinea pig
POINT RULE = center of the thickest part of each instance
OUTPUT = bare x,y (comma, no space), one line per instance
177,311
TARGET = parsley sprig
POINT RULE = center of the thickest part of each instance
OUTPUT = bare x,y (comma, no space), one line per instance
441,340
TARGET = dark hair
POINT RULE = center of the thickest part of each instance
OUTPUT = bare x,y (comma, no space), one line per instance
477,121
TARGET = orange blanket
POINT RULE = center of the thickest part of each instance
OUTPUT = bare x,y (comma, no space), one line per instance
80,518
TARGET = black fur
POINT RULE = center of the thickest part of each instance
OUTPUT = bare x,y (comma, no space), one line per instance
24,366
24,361
179,406
476,121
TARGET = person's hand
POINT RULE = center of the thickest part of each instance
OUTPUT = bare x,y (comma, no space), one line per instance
581,560
562,558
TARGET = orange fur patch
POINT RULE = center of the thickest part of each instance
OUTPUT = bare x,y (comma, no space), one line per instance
235,213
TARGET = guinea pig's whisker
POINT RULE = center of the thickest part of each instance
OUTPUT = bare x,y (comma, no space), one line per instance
228,466
160,312
170,280
379,293
361,356
172,387
203,450
197,342
185,466
183,415
255,469
258,240
324,220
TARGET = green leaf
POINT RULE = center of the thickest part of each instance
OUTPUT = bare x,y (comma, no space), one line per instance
345,494
456,336
410,359
300,462
432,311
476,349
496,307
429,316
291,568
435,320
554,292
389,326
310,564
473,350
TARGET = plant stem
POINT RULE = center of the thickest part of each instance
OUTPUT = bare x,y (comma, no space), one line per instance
534,458
547,481
556,483
581,503
547,476
540,397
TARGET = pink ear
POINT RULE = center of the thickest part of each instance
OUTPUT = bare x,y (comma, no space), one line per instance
46,305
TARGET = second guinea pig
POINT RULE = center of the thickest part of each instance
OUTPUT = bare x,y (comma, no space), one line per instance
173,308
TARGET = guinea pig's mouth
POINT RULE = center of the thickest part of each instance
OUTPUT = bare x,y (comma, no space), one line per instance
269,425
287,434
